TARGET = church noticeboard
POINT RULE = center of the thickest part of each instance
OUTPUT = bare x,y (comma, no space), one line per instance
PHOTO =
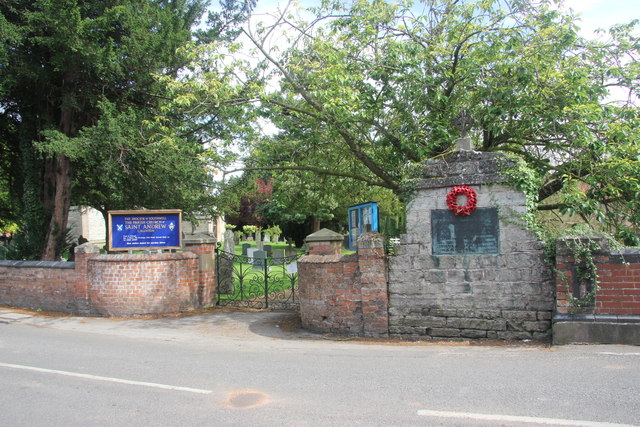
478,233
148,229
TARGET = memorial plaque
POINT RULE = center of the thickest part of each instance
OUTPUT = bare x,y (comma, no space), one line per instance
478,233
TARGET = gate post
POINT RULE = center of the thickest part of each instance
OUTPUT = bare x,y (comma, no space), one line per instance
372,264
203,245
344,294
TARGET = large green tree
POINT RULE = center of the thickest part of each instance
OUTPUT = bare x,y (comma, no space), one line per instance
369,89
86,96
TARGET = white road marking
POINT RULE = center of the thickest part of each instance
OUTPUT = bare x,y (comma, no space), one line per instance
106,379
611,353
516,419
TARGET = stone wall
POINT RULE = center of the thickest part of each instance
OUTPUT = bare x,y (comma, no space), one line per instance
344,294
503,292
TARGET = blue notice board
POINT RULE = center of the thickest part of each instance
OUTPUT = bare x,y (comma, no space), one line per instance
362,218
148,229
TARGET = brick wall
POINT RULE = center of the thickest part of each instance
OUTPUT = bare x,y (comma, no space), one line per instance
127,285
112,285
618,274
344,294
38,285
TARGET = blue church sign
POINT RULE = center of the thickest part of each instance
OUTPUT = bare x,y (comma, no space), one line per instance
362,218
148,229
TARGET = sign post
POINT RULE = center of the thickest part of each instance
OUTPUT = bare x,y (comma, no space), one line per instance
145,230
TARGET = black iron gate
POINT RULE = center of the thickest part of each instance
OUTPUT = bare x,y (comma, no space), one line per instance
258,280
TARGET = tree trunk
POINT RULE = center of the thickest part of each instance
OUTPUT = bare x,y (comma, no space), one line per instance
60,179
107,232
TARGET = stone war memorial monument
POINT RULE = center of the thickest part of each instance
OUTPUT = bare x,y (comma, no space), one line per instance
468,267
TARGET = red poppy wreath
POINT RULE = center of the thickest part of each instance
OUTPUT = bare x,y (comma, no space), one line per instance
452,200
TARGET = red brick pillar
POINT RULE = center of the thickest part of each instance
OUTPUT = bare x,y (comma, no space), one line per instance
329,292
373,282
324,242
83,254
204,246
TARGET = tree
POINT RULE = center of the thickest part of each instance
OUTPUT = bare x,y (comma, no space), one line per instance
86,89
369,90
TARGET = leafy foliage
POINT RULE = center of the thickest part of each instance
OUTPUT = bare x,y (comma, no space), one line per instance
369,89
90,96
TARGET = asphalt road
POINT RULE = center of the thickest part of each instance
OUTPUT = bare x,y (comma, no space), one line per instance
258,369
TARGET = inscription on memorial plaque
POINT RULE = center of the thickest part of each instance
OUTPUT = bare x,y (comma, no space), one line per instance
478,233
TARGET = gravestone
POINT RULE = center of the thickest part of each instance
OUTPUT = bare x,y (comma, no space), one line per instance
268,249
267,238
290,251
259,260
225,264
278,256
250,252
245,248
229,241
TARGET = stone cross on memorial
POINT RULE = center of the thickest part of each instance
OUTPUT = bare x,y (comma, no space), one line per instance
463,123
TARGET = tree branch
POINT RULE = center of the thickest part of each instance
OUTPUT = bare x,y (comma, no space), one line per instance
319,171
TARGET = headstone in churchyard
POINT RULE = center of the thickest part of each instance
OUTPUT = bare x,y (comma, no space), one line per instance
245,247
278,256
259,260
268,249
250,252
290,251
229,241
267,238
259,243
225,264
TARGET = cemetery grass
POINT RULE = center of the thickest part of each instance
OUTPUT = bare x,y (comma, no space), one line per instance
274,246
